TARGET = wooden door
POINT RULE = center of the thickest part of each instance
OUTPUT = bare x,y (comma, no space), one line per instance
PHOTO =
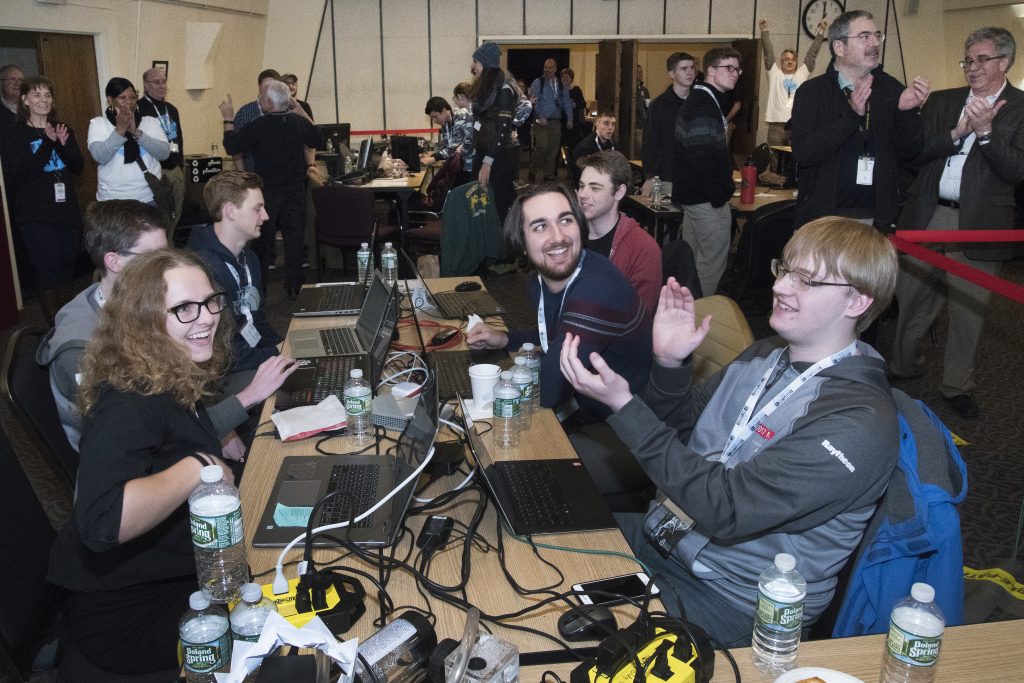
747,92
607,77
625,112
69,60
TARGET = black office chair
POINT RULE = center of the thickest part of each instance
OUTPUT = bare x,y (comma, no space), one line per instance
345,217
30,604
25,386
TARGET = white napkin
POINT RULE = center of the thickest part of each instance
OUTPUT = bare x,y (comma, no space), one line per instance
305,421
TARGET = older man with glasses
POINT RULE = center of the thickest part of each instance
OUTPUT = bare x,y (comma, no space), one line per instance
852,127
11,78
972,158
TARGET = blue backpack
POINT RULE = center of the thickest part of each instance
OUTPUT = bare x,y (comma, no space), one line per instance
914,534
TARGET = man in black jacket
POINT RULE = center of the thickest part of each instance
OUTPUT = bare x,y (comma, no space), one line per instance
703,166
660,127
973,156
852,126
154,103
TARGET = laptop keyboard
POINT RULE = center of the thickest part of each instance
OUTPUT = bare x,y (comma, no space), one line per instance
452,369
340,340
343,298
452,303
538,503
360,481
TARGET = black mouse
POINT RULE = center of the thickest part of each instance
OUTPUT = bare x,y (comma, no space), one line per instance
586,622
467,286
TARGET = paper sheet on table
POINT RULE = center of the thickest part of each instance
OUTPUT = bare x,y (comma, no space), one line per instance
247,657
484,413
305,421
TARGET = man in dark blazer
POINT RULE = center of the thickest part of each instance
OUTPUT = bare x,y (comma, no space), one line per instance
972,158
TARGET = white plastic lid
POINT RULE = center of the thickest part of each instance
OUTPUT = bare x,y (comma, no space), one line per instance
211,474
364,245
922,592
785,562
520,360
252,592
528,346
199,600
387,244
356,373
506,374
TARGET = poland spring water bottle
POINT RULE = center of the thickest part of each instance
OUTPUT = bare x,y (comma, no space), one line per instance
389,264
779,616
215,512
249,613
522,376
205,640
656,197
915,634
359,408
506,412
363,261
532,355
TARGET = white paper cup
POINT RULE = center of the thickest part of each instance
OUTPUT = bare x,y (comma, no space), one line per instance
483,377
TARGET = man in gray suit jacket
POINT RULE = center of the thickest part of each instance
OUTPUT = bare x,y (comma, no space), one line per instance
972,158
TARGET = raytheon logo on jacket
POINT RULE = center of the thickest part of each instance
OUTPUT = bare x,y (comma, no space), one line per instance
838,454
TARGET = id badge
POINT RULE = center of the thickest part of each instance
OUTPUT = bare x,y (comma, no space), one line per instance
174,148
865,170
59,193
250,334
250,299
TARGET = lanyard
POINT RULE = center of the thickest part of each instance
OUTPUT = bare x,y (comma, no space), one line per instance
100,299
164,118
706,89
743,428
542,325
245,304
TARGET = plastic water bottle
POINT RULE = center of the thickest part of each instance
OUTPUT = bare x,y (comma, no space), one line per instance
779,616
205,639
506,411
532,356
215,511
389,264
363,261
915,634
523,378
656,193
249,614
359,408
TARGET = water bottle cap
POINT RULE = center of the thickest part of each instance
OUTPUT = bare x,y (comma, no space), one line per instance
922,592
785,562
520,360
211,474
364,245
528,347
506,374
356,373
387,244
199,600
252,592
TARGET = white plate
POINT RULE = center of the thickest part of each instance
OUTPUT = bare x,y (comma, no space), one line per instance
827,675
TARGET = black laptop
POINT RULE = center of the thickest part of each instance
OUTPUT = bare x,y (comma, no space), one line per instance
458,305
336,298
551,496
366,479
322,374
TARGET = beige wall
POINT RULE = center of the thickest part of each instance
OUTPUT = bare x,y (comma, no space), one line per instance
130,35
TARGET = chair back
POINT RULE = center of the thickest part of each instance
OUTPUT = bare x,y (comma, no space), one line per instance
30,603
25,386
728,337
344,215
677,261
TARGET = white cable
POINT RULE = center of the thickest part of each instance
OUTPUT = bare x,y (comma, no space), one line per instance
281,583
458,487
453,426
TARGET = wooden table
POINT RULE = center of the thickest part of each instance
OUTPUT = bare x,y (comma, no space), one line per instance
488,588
982,652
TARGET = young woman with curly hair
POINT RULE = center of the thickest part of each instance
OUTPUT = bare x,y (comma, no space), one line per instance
126,554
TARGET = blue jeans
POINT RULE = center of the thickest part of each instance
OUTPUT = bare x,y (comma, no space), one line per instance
681,590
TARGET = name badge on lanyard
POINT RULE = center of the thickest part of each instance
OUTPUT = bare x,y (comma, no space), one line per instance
248,301
59,192
542,325
865,169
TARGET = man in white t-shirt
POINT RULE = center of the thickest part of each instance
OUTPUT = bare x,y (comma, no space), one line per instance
784,77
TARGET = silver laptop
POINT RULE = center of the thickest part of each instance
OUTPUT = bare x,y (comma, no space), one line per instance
341,341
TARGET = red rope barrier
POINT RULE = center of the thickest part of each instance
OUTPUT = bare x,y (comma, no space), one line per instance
905,240
405,131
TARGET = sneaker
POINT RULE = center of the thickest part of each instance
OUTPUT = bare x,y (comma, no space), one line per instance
963,404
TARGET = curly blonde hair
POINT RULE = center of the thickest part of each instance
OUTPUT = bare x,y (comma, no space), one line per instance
131,351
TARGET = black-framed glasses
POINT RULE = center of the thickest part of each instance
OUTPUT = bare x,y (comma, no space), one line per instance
189,311
967,62
801,282
728,67
865,36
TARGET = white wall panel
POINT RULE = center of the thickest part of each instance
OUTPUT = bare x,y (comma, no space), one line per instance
687,17
359,66
547,18
406,74
642,17
500,17
732,17
594,17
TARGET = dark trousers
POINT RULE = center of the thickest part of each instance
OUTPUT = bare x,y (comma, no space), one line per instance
504,170
52,249
286,208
